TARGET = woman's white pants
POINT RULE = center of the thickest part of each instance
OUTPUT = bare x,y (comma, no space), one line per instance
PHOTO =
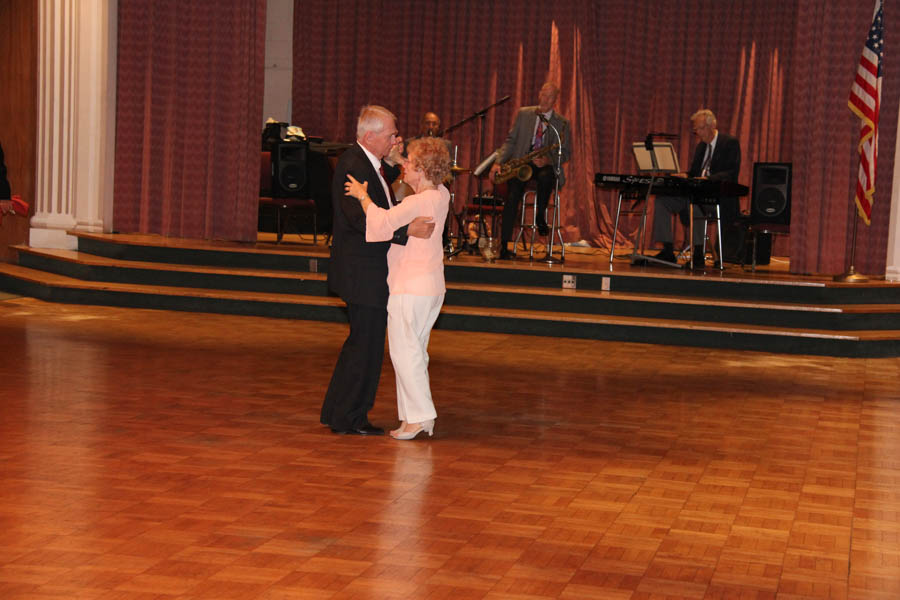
410,319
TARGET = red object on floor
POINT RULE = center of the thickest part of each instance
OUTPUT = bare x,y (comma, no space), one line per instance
19,206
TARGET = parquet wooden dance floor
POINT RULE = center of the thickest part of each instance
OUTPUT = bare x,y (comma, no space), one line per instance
163,455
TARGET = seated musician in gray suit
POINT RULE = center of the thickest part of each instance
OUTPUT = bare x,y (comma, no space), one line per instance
531,142
717,157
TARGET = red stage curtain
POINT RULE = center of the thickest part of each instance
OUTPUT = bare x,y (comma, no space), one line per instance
829,40
777,74
189,104
453,58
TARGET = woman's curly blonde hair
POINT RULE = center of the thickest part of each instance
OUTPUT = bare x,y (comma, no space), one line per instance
431,157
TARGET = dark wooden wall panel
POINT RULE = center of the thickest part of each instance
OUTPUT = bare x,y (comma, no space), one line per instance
18,110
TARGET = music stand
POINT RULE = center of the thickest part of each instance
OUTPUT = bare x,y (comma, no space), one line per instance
653,158
660,158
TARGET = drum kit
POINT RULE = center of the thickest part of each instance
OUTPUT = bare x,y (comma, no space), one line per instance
479,240
462,235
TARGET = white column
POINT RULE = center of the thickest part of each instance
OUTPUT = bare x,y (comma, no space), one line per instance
76,120
892,263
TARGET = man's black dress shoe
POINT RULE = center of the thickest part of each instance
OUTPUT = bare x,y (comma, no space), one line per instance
365,429
543,229
505,254
699,260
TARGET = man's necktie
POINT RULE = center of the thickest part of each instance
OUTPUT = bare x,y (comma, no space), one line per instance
539,135
704,170
390,189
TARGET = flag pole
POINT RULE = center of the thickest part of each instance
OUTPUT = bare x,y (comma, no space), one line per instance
851,276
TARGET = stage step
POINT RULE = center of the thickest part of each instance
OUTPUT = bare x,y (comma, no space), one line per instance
728,309
91,267
472,270
61,288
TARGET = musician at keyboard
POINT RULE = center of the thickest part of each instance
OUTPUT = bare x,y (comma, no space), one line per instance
717,158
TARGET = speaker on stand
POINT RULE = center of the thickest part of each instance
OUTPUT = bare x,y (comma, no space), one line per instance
770,207
770,201
290,194
289,169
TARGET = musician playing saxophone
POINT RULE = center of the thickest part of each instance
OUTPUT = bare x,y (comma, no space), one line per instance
532,139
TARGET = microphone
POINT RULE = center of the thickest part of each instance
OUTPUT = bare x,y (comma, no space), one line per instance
542,117
485,164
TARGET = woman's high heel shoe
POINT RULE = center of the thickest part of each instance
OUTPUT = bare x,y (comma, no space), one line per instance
427,426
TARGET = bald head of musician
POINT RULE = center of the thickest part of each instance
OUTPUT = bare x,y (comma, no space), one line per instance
547,97
430,126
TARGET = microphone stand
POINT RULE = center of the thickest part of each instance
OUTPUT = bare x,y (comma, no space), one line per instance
554,227
480,115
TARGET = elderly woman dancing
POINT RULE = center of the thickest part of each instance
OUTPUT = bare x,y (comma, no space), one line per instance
415,277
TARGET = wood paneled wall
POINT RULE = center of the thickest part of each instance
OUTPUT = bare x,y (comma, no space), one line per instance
18,109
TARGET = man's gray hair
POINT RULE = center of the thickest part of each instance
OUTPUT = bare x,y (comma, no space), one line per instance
372,118
708,117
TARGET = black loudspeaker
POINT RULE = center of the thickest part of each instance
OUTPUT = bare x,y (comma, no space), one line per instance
771,199
289,169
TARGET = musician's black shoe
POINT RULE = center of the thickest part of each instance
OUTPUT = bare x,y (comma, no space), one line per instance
505,254
543,229
699,259
666,255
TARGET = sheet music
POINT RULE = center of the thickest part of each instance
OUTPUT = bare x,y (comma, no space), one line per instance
666,157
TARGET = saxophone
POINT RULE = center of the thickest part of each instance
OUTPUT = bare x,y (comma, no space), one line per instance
519,167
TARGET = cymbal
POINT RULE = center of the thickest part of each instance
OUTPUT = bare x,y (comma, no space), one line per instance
456,169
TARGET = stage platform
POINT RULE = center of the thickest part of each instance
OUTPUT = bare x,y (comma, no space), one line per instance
767,310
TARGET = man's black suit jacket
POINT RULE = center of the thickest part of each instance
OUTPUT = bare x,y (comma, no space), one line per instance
358,269
725,164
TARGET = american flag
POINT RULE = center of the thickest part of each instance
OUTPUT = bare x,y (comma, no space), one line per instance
865,100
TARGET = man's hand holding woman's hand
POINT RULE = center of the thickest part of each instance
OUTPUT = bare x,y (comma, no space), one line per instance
395,155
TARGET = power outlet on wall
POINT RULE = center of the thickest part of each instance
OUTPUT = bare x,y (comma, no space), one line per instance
568,282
